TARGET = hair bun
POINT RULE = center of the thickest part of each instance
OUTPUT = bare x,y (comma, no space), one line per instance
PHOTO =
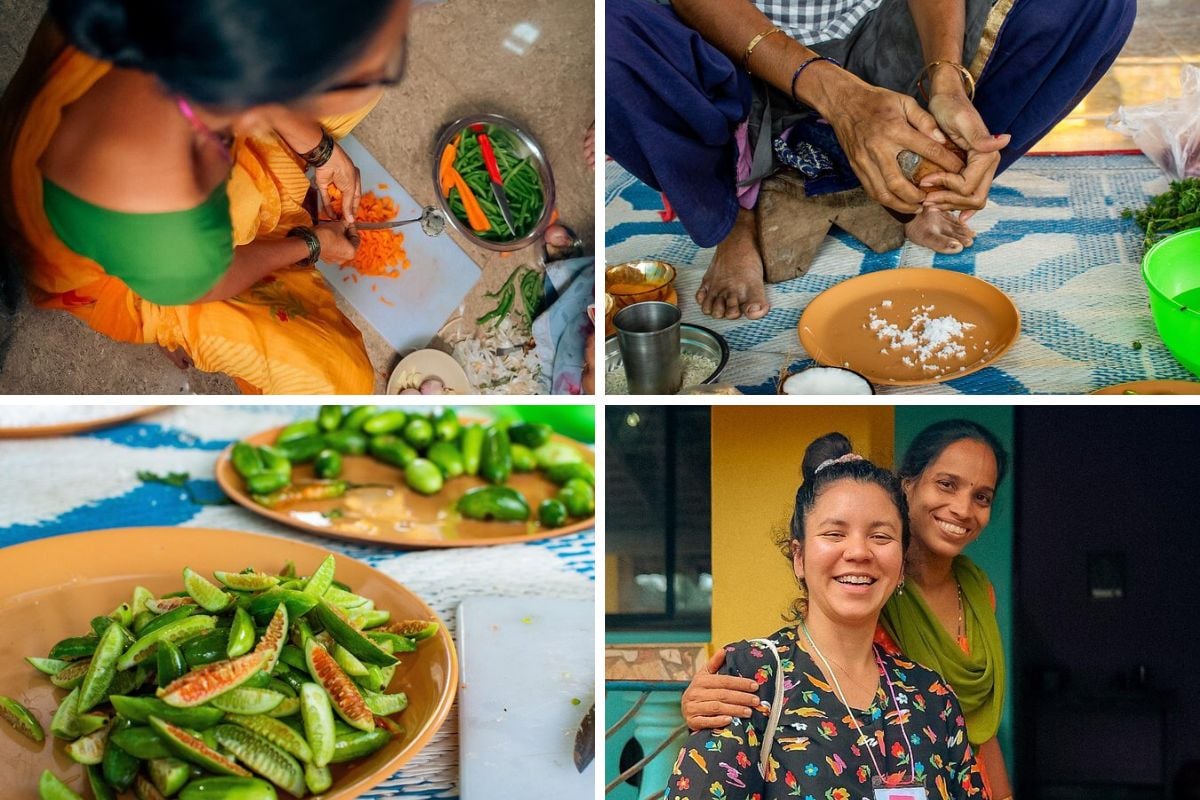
100,28
829,446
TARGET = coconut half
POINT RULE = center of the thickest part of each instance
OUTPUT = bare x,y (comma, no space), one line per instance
826,380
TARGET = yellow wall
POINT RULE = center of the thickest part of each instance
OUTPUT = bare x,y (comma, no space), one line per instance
756,454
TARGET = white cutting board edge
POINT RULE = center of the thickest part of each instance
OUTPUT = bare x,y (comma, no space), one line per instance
522,661
423,296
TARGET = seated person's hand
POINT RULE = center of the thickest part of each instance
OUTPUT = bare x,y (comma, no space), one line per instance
712,700
965,191
335,247
874,125
341,172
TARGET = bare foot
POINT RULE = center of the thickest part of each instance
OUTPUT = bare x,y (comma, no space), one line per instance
940,231
178,358
734,284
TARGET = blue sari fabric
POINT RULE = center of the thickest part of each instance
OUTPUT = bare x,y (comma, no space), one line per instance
673,101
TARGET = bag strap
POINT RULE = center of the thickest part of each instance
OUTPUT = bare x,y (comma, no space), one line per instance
768,737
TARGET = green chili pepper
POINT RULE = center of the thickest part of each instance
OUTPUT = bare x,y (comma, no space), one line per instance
447,457
328,464
385,422
391,449
494,502
297,430
346,442
50,787
496,463
329,418
532,292
275,460
471,444
530,434
554,452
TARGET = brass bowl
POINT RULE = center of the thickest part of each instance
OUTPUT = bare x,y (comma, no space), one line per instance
639,282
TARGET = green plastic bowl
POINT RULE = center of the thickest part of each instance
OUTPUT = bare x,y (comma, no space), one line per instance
1171,270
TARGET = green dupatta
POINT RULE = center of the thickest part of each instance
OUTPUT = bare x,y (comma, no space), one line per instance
977,676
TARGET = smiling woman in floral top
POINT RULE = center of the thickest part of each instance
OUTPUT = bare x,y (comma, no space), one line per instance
854,721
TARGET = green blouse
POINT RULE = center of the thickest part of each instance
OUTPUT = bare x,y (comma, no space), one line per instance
171,258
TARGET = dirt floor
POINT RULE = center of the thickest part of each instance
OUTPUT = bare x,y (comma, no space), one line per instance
529,60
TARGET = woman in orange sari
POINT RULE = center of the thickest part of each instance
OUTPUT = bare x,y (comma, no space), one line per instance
158,156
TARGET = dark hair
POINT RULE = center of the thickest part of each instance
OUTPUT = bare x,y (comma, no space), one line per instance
225,53
816,478
931,441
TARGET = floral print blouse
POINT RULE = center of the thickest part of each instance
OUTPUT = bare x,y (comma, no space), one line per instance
817,754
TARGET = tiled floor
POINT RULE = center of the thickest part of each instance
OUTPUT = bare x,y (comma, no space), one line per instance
1165,36
531,60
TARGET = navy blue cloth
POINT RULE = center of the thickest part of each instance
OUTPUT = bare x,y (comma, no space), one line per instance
672,104
673,101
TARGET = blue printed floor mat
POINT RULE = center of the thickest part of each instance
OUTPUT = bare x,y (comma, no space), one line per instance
1052,238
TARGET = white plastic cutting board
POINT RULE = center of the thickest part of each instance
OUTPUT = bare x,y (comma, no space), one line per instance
523,661
410,309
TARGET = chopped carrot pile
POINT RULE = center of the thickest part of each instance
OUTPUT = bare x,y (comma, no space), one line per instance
380,253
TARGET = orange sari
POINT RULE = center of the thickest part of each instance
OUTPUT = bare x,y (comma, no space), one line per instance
284,335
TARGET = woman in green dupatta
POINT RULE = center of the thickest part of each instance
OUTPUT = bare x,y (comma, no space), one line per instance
944,618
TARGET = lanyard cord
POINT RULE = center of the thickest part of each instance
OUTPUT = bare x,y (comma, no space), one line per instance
862,737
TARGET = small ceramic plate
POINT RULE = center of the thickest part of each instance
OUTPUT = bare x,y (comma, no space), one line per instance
836,328
398,516
430,363
1152,387
104,417
54,586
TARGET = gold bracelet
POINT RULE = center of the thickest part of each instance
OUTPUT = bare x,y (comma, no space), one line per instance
753,44
967,78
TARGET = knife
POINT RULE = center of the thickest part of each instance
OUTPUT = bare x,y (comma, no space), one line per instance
489,159
585,740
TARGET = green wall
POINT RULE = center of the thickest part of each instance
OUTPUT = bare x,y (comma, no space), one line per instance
993,551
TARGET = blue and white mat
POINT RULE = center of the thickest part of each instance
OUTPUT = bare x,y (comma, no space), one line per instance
67,484
1051,237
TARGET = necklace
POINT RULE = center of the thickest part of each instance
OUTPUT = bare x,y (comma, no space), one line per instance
224,143
961,632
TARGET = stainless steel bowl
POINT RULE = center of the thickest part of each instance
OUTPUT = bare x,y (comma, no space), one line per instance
693,340
529,148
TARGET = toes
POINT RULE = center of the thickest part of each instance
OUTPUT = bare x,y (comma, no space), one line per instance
756,310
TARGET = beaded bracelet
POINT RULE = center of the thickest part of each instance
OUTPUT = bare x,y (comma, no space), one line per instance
319,156
314,245
803,66
754,43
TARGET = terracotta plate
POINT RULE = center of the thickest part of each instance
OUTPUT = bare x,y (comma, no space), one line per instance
1152,387
400,517
54,586
836,330
103,419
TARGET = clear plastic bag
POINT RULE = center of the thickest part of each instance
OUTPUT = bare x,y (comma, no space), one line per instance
1167,131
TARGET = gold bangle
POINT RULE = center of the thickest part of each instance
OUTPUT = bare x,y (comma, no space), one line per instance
967,78
753,44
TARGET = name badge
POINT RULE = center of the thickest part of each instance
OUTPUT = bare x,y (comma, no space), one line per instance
902,791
